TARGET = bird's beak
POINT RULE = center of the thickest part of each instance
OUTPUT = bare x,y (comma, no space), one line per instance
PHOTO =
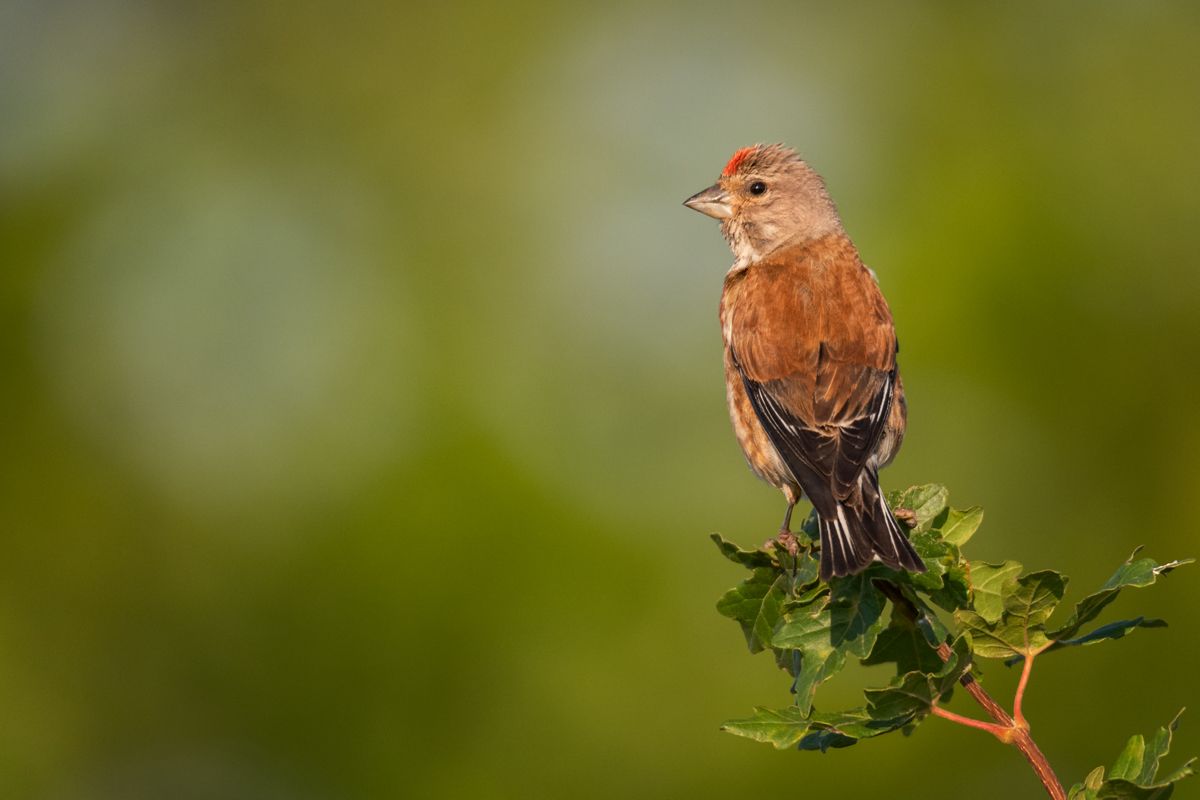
713,202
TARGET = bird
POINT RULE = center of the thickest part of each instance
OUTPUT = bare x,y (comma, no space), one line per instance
811,375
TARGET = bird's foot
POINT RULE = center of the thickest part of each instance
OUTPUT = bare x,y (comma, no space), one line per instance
787,540
906,515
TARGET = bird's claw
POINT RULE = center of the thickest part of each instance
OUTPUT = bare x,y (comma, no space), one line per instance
787,540
906,515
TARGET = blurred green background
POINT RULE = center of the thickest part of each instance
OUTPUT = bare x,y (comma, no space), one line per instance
362,417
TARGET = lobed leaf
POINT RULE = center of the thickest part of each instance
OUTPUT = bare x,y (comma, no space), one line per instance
803,572
1132,574
1035,597
825,632
990,583
816,667
752,559
845,728
1090,786
913,694
930,624
1113,630
756,604
809,632
936,537
925,502
955,592
937,556
1134,775
1020,630
856,608
957,527
789,727
783,727
905,645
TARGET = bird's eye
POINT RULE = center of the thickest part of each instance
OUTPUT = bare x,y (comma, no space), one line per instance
758,187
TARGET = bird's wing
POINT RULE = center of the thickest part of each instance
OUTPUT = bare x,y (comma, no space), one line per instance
836,452
818,361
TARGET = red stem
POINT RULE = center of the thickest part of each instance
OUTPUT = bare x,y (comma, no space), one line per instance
1006,729
1001,732
1026,668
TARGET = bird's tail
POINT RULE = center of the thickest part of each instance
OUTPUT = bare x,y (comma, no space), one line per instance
890,542
856,535
845,548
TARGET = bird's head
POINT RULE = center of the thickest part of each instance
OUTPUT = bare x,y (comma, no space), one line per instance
766,198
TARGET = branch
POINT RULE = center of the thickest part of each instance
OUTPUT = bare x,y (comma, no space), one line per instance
1001,732
1018,715
1006,729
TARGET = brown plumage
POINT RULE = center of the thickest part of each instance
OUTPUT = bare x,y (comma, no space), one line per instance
810,356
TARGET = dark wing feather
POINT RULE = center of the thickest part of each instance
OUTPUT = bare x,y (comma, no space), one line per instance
805,451
858,437
826,459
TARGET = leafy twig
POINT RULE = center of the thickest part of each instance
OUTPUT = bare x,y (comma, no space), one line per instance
1008,729
814,629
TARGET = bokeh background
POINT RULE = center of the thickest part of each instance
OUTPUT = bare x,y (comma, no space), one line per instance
361,412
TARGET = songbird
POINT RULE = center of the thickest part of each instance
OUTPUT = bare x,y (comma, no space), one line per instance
811,379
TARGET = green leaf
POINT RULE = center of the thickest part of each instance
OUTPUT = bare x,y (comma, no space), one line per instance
926,502
747,558
789,727
1126,790
804,597
804,628
936,537
945,578
803,572
845,728
1132,574
1128,765
816,667
904,644
1134,775
1035,597
930,624
958,526
913,694
956,588
783,727
1152,753
1091,784
1027,603
1113,630
991,640
756,605
856,610
845,623
989,585
810,527
809,630
937,556
824,739
1142,572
